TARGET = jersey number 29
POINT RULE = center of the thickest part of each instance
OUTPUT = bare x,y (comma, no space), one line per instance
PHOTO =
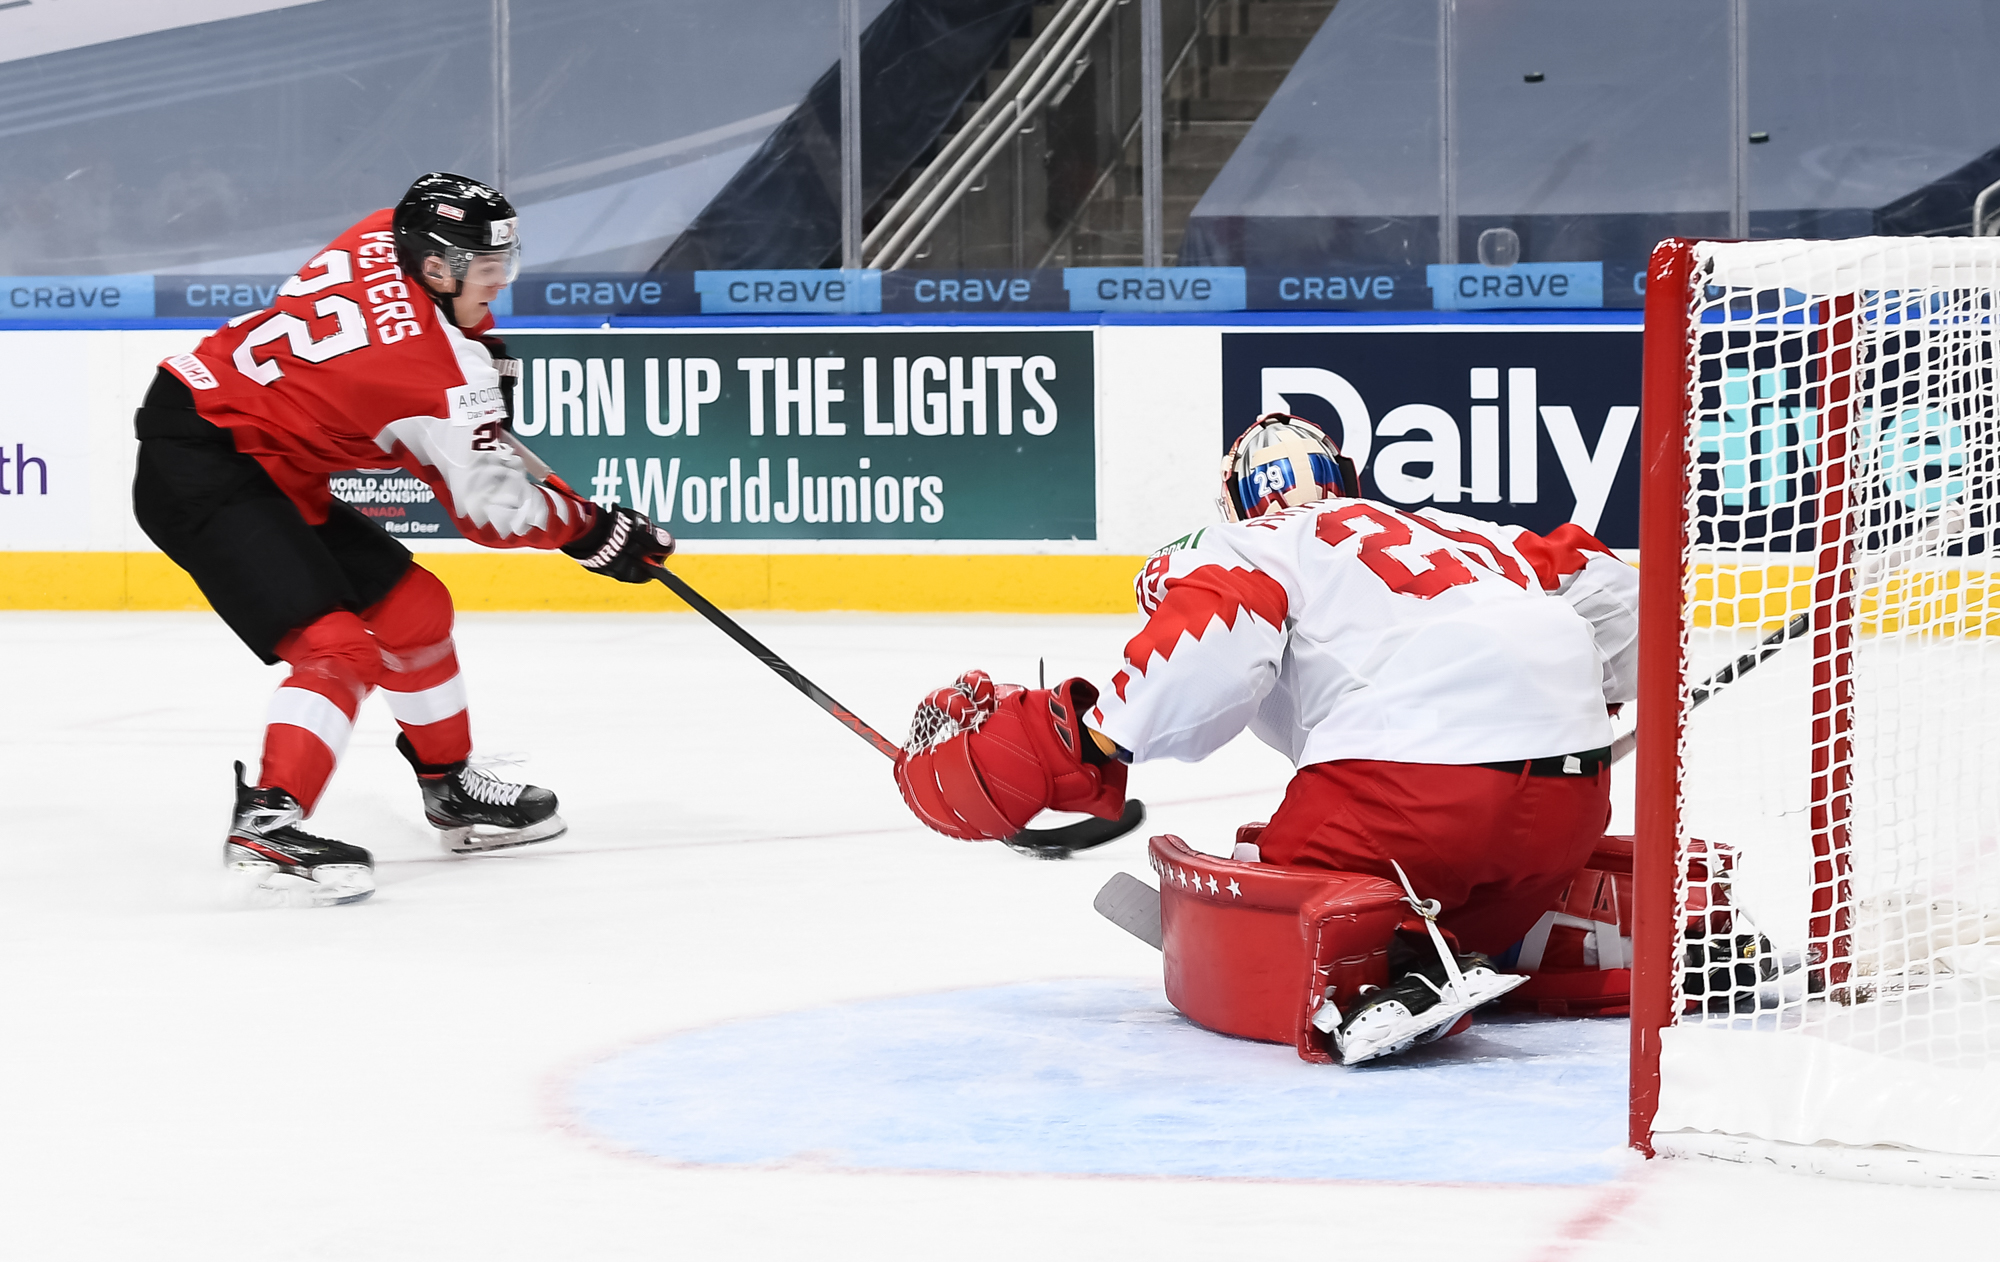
1384,532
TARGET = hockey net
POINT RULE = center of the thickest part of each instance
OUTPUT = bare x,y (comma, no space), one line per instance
1818,980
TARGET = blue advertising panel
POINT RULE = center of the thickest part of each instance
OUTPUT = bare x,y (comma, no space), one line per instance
1474,287
1155,288
59,298
921,293
1529,425
605,293
790,292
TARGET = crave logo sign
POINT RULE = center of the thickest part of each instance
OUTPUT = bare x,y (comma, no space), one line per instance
1533,427
822,436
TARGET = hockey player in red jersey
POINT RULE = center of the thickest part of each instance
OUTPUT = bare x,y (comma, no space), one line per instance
1441,683
377,354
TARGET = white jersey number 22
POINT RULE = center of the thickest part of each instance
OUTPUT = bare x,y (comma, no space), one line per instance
350,328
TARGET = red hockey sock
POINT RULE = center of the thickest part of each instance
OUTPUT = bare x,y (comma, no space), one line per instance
412,627
334,666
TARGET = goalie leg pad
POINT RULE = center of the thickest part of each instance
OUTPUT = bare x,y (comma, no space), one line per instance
1578,956
1256,950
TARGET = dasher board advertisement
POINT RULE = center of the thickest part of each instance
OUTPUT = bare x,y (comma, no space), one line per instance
821,436
1533,426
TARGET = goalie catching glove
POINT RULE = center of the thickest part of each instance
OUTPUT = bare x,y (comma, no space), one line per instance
984,759
622,544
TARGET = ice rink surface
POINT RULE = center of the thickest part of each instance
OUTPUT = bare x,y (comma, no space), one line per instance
745,1009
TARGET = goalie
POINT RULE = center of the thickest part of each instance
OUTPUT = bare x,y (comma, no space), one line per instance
1441,683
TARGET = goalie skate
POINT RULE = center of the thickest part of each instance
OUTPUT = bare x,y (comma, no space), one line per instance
1424,1004
475,810
285,866
1415,1010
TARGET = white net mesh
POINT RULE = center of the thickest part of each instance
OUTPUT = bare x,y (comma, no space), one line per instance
1839,891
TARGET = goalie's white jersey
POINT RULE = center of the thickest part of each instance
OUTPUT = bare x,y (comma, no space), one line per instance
1349,629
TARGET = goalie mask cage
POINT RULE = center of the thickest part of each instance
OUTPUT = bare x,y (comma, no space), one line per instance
1817,980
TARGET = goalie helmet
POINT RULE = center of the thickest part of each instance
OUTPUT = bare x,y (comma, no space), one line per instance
467,224
1282,462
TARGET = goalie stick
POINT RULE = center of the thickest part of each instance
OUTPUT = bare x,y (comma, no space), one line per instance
1947,524
1042,843
1622,747
1132,905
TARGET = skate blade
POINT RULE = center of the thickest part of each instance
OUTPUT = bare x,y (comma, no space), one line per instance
332,885
1391,1035
470,840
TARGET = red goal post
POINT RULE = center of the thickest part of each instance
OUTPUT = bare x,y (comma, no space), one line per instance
1818,853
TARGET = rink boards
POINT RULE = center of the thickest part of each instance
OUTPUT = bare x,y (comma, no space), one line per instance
888,467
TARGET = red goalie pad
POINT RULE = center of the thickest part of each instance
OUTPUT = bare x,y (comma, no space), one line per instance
1578,957
1252,948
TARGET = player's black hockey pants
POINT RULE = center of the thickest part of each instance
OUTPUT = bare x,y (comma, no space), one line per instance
220,517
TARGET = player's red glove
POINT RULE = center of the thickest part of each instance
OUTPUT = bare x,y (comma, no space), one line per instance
983,759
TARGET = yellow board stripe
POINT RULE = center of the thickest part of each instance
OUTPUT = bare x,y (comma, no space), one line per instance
542,581
1938,597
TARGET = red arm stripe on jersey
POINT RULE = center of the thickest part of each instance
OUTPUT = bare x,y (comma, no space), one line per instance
1559,554
1193,601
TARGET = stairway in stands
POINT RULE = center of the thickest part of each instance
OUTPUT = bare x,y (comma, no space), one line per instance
1072,196
1245,50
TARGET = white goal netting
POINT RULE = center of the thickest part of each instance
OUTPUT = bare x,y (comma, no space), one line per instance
1838,897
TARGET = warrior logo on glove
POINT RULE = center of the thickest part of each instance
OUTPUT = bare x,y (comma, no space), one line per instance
983,759
624,545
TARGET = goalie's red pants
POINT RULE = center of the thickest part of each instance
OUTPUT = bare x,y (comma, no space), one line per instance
402,644
1493,848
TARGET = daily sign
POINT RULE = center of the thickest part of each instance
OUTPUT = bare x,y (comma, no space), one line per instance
1534,427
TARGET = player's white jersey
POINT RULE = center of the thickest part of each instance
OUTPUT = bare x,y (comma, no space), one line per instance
1349,629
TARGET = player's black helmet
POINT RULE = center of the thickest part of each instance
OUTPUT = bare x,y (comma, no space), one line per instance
458,219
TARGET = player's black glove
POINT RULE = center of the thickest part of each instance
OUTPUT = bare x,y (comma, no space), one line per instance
622,544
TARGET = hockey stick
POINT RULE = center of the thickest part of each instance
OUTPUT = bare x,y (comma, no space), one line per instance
1945,523
1043,843
1622,747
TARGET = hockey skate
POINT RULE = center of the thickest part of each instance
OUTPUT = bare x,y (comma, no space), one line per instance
1419,1007
475,810
287,866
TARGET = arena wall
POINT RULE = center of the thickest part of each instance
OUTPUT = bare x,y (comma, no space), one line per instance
1055,521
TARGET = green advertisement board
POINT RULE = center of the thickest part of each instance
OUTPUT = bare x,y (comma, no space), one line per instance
823,436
